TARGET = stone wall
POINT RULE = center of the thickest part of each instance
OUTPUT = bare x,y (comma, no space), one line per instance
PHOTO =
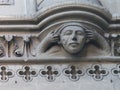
59,44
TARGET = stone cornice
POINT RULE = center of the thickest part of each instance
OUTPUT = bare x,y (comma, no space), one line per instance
39,19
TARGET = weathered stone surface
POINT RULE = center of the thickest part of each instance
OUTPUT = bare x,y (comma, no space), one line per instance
59,45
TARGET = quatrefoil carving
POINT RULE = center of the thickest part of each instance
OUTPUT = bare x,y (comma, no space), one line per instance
27,73
50,73
116,71
5,73
97,72
73,72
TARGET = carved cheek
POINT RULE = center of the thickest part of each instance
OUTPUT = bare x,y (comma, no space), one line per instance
64,40
80,39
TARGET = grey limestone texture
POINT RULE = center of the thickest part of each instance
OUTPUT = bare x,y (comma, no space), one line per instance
59,44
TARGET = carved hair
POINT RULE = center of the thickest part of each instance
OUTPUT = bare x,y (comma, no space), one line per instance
59,30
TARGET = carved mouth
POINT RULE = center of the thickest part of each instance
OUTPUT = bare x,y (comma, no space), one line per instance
73,44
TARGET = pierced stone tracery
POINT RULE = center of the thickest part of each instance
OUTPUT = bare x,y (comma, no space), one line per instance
50,73
116,71
5,73
97,72
27,73
73,72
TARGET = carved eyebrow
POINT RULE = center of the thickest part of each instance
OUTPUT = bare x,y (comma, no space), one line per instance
79,32
68,31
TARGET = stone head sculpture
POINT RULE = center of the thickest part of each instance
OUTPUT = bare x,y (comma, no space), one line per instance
72,37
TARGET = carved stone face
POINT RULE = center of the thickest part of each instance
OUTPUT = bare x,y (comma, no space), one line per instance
73,39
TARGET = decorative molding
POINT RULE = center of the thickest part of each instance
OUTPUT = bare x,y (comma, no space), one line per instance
27,47
73,72
50,73
5,73
97,72
27,73
53,45
53,73
116,71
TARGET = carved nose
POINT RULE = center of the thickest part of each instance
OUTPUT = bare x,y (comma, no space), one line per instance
74,38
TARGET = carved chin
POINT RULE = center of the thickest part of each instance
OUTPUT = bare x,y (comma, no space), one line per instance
72,50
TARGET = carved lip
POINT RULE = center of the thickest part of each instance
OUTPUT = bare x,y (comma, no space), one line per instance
73,44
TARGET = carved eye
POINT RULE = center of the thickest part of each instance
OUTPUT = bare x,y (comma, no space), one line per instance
68,32
79,33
